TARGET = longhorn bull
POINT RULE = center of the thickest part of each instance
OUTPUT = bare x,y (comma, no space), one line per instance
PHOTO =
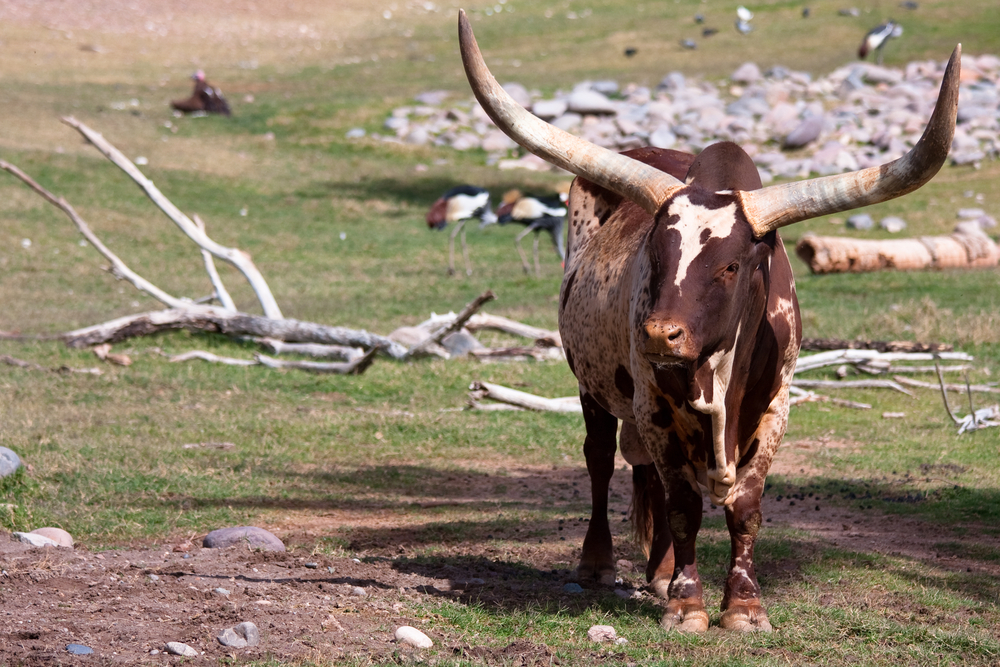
679,317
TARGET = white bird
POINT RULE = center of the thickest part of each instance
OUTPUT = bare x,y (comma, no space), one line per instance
743,13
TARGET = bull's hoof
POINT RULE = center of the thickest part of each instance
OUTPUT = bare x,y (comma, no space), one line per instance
745,618
685,617
594,573
661,587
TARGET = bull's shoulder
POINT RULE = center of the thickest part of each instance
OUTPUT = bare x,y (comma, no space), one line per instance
592,206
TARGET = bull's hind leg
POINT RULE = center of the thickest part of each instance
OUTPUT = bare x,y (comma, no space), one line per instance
597,561
686,603
649,512
741,607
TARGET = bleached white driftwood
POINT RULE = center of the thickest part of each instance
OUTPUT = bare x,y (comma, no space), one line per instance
525,400
981,388
454,325
221,293
806,396
344,352
836,357
118,268
238,258
211,358
355,367
537,353
851,384
976,419
482,321
218,320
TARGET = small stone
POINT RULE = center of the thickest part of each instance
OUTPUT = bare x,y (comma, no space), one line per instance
573,588
806,133
154,651
79,649
406,634
9,461
624,593
36,540
892,224
359,592
180,648
312,566
251,536
57,535
590,102
970,213
355,133
228,637
221,591
861,221
601,633
249,632
548,109
746,73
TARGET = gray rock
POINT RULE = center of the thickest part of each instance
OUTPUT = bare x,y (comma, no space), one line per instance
495,140
396,123
461,343
433,97
358,591
228,637
892,224
180,648
860,221
970,213
519,93
79,649
568,121
243,635
590,102
673,82
573,589
221,592
746,73
9,462
605,87
601,633
355,133
967,157
36,540
57,535
662,137
251,536
806,133
548,109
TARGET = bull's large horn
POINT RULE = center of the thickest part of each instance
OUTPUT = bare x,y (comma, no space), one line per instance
647,186
779,205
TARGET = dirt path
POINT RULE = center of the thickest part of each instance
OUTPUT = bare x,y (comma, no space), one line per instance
110,602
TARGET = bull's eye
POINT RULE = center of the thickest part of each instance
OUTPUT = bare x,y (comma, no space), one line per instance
733,268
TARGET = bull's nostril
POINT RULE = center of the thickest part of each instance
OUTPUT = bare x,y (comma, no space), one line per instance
675,335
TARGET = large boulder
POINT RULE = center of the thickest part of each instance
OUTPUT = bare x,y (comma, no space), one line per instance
251,536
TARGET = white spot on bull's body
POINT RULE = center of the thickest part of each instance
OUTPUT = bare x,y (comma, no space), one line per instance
692,221
723,477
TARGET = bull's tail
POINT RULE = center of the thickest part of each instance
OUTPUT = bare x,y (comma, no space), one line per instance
646,491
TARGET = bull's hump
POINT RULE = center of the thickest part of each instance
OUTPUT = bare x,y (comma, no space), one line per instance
692,221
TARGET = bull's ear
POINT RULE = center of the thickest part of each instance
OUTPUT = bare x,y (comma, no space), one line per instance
647,186
779,205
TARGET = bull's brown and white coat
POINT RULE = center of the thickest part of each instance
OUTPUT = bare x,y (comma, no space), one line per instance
679,317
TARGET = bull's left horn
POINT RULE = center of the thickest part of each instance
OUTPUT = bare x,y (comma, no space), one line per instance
647,186
779,205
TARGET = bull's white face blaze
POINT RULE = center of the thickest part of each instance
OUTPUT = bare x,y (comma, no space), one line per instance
693,222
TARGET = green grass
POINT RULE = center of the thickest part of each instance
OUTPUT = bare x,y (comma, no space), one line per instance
106,453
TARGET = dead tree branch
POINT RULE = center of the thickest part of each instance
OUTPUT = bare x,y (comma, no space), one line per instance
356,367
570,404
221,293
439,335
238,258
982,388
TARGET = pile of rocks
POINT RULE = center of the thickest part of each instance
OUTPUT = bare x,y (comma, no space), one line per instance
791,124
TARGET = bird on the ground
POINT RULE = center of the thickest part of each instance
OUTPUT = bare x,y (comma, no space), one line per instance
205,97
459,205
537,214
876,39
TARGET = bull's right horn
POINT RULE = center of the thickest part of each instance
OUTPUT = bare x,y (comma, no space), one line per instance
645,185
779,205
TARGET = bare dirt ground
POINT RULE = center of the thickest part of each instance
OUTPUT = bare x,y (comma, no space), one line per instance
307,605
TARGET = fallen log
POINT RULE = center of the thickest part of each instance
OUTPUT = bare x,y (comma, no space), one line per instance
218,320
840,254
826,344
525,400
851,384
961,388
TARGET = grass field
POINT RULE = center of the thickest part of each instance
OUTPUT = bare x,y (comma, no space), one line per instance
106,453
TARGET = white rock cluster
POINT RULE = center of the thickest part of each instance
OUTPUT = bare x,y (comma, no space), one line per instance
858,116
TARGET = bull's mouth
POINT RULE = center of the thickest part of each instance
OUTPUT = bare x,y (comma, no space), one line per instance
667,360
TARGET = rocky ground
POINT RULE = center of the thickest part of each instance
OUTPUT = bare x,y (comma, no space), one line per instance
791,123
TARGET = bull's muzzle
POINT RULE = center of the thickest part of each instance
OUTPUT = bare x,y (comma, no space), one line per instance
667,342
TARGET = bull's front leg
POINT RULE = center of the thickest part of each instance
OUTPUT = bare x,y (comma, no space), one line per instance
597,561
741,607
686,603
